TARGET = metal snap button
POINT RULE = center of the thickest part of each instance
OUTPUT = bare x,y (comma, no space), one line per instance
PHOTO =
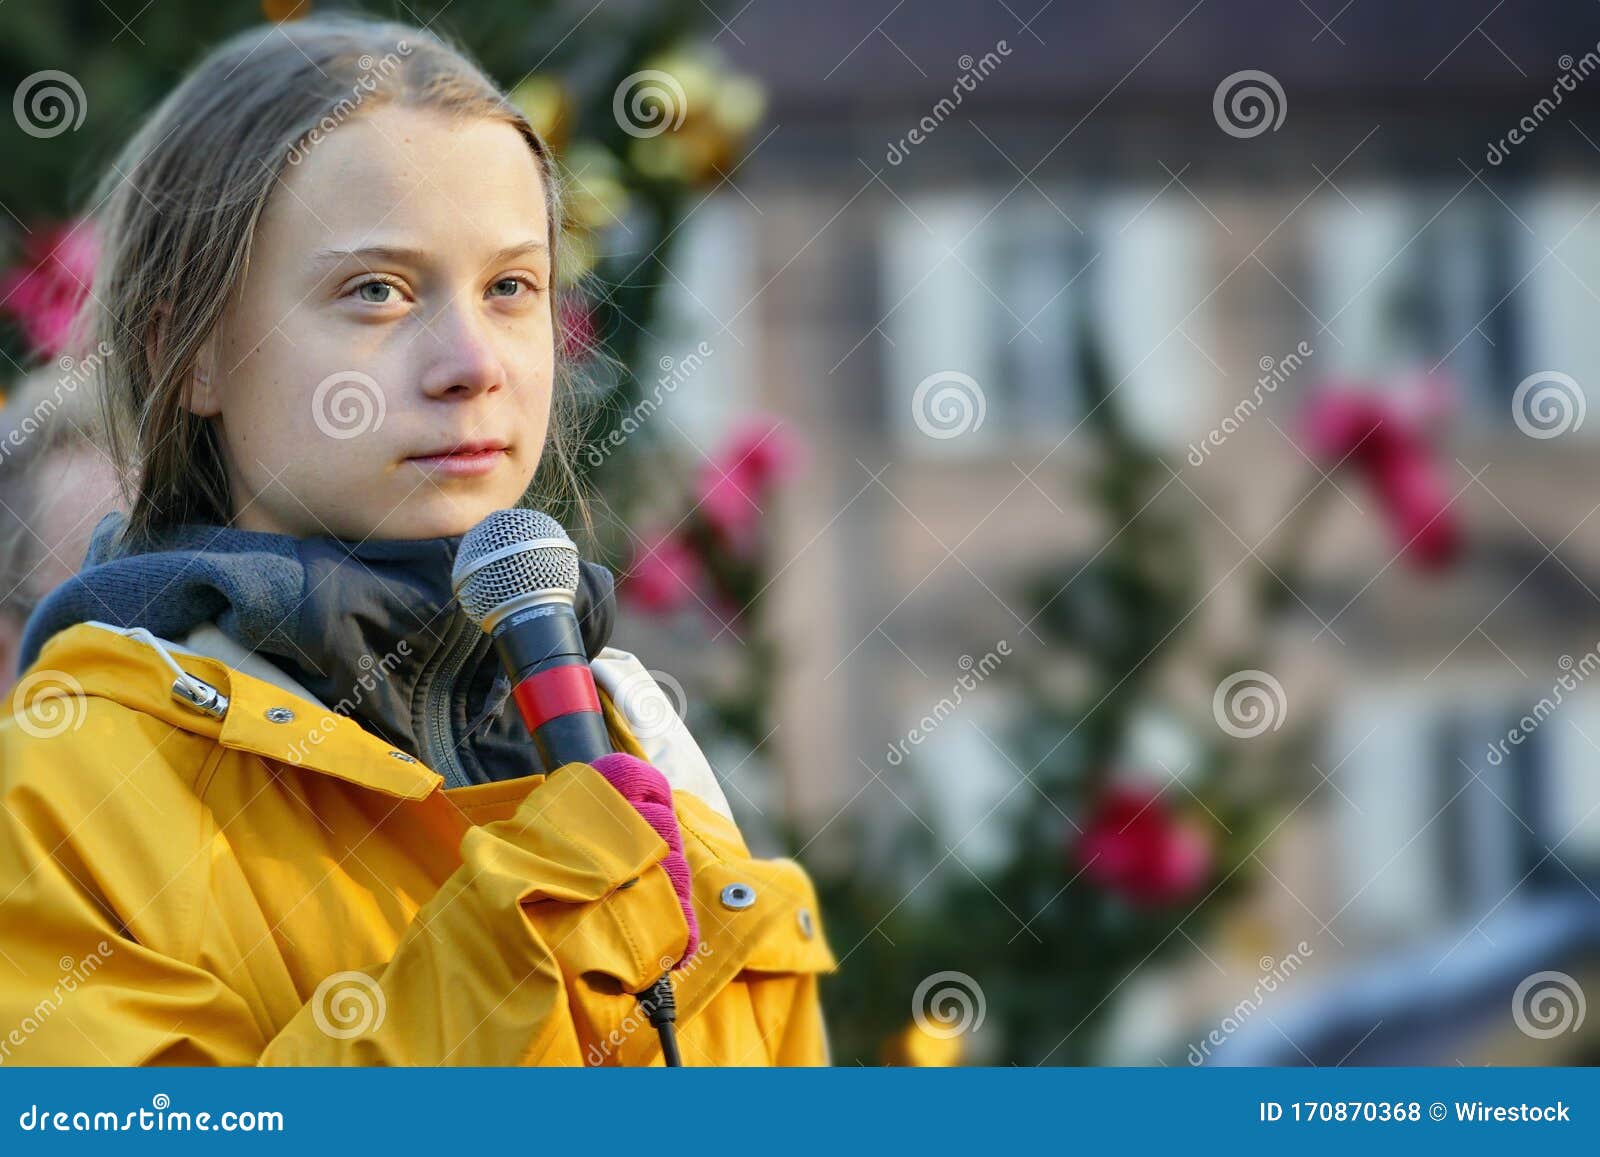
807,927
403,757
280,714
738,896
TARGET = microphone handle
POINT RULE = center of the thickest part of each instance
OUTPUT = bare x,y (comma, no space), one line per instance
541,648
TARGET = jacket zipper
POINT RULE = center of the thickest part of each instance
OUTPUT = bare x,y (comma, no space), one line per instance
437,738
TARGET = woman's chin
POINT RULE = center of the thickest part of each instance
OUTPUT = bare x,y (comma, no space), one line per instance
440,517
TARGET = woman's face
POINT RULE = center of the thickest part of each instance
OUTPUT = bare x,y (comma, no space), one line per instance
386,369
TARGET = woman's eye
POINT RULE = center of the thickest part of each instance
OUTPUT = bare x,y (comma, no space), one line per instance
376,292
507,287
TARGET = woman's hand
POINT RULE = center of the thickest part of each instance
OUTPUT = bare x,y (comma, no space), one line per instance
648,791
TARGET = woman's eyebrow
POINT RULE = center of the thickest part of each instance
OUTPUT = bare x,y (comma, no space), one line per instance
407,255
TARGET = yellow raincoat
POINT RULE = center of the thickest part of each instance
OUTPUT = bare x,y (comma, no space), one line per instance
210,885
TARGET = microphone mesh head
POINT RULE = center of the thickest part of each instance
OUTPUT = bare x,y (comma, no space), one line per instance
509,555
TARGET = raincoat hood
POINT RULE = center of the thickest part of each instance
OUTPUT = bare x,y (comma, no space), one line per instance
370,629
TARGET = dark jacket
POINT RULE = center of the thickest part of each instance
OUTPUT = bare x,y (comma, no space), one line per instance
370,628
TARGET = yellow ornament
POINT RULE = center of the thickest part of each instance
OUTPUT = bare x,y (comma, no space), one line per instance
279,11
595,195
545,101
915,1047
699,115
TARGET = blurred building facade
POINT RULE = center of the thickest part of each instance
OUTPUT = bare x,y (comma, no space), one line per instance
1390,225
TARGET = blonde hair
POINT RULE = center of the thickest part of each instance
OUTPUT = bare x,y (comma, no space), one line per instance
179,210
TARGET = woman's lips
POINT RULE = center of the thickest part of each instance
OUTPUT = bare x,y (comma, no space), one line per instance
464,463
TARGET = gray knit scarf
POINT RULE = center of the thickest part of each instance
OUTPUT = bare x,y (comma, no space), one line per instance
328,612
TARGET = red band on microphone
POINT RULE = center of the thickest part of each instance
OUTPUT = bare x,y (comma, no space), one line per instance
556,691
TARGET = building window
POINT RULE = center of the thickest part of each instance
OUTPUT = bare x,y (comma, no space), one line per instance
983,303
1484,291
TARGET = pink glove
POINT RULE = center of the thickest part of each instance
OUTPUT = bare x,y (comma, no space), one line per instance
651,796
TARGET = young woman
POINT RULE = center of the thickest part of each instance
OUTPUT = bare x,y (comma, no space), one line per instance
263,797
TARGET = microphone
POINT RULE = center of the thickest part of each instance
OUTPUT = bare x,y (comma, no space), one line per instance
516,575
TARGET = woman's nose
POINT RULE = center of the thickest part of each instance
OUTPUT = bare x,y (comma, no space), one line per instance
464,362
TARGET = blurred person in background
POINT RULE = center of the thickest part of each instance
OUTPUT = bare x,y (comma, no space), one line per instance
55,484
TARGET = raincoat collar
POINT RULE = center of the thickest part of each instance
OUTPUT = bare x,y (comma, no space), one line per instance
104,661
369,628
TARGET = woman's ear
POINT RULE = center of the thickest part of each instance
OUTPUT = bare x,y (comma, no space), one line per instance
202,393
199,390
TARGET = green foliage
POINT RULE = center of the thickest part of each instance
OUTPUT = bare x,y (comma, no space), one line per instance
1051,949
